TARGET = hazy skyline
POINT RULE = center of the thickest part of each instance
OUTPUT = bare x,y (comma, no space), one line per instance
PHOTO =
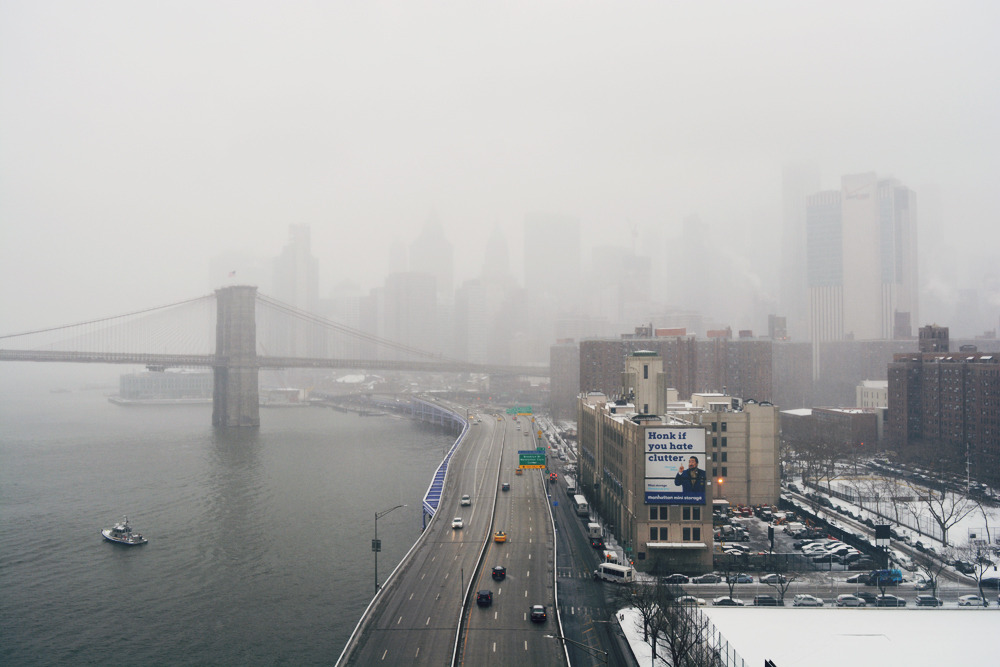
140,141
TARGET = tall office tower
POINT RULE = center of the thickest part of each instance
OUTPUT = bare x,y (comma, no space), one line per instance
861,254
798,182
552,259
432,253
410,314
296,282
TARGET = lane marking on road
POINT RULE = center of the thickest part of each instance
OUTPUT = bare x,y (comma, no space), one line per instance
384,654
528,574
525,644
399,620
428,622
417,653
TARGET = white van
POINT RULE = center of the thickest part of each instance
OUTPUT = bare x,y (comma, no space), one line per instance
620,574
593,530
611,557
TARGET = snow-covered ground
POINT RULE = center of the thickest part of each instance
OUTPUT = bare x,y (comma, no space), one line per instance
793,637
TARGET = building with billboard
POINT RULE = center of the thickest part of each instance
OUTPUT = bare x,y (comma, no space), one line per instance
652,466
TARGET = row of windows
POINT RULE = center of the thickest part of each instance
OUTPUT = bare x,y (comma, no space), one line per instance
691,534
724,456
688,513
724,473
715,441
715,426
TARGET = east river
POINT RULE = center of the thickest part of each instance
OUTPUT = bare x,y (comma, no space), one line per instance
259,546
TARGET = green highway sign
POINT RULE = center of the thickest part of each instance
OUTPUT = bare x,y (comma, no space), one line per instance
531,459
520,410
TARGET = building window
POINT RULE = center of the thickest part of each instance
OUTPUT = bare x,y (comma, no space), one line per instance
724,424
724,454
715,427
691,514
714,454
645,371
654,534
692,534
723,441
715,441
725,471
715,472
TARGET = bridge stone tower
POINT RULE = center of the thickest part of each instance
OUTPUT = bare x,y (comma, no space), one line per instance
236,400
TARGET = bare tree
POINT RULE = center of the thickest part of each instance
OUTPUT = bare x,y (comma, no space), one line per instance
978,553
947,509
782,580
933,565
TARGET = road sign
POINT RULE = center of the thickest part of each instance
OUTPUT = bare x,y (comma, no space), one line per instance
519,410
531,459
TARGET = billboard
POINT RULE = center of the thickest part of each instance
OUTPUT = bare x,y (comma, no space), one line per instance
675,465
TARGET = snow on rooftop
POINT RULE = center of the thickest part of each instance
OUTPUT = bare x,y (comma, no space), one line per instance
797,637
799,412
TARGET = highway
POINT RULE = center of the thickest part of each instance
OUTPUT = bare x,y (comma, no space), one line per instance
415,619
503,633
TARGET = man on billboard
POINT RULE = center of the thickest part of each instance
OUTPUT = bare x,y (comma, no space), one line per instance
691,480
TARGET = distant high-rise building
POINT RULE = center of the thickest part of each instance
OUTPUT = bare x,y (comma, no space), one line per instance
861,260
798,182
933,338
433,254
410,314
296,283
552,259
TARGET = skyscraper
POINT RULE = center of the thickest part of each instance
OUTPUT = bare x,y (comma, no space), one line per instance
296,282
797,183
432,253
861,260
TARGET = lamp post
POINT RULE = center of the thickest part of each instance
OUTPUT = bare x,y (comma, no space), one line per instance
593,651
377,543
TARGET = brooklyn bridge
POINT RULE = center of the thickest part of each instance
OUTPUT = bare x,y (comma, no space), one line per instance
236,332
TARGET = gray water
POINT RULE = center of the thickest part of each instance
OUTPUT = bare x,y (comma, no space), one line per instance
259,541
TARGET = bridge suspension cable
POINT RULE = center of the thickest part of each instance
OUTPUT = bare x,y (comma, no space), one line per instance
312,318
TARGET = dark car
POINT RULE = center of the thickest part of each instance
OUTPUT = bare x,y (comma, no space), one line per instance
928,601
505,486
741,578
500,573
869,598
484,598
597,543
767,601
675,579
709,578
889,601
538,613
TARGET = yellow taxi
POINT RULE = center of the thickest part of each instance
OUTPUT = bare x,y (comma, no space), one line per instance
518,471
499,536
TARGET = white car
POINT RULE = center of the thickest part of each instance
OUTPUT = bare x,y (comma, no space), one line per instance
466,500
691,600
457,522
807,601
972,601
848,600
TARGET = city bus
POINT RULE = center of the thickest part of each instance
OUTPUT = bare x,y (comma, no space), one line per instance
580,503
570,486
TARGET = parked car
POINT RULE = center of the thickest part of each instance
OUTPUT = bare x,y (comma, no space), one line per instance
848,600
740,578
767,601
972,601
457,522
774,579
858,578
889,601
675,579
807,601
869,598
499,572
466,500
538,614
726,601
691,600
710,578
928,601
922,585
484,598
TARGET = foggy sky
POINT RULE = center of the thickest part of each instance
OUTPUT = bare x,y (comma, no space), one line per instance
139,140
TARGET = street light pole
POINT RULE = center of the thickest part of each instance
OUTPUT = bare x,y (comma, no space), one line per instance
593,651
376,543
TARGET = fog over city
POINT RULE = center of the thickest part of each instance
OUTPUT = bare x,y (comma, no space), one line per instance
141,143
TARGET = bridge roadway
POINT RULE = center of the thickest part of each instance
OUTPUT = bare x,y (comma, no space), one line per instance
415,618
